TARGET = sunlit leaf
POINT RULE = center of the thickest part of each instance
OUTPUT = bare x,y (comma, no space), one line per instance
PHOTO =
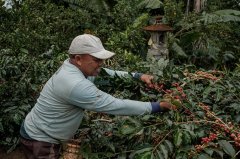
169,145
164,151
128,129
178,138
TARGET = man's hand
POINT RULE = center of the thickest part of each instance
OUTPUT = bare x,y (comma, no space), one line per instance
167,106
147,79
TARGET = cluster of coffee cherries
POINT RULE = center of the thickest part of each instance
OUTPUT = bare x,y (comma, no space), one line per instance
236,138
181,95
204,107
206,140
199,148
219,125
156,86
229,131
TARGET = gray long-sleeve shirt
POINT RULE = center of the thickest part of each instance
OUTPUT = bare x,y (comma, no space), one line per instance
59,109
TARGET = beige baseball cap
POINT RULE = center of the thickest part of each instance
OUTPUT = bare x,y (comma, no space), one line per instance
89,44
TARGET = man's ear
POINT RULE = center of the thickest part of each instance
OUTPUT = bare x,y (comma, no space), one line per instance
78,60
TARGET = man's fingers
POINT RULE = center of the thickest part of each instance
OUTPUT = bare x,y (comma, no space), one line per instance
167,105
147,78
173,107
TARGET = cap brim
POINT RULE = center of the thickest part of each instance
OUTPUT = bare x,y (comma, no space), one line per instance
104,54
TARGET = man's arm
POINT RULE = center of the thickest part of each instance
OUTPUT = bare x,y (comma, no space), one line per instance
143,77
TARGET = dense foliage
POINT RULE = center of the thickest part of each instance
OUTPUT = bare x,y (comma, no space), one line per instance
206,124
35,36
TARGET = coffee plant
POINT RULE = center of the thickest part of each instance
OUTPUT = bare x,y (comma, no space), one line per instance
35,36
205,125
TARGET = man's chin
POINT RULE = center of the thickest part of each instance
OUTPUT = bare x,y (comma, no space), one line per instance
96,73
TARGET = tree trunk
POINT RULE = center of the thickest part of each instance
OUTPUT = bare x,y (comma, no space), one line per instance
197,6
187,7
203,3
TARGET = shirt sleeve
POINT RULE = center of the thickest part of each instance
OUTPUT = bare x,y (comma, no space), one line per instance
87,96
156,107
122,73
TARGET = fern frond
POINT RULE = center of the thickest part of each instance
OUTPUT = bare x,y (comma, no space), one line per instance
140,20
151,4
176,48
97,5
227,12
221,16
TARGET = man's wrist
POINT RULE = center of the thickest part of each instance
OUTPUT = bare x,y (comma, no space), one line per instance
156,107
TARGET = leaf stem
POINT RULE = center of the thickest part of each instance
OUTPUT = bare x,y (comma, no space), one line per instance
236,154
162,140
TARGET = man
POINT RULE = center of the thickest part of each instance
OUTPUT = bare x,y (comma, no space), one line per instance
59,109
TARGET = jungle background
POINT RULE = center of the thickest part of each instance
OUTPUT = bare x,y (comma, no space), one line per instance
201,75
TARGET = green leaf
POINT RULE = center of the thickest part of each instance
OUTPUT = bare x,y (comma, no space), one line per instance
169,122
160,155
10,109
228,56
144,150
204,156
178,50
181,156
17,118
187,137
237,118
111,146
147,117
164,151
122,156
178,138
227,147
220,153
227,12
24,50
151,4
169,145
145,155
209,151
127,129
218,94
207,92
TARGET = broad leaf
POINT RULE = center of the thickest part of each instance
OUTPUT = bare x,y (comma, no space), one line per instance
159,155
204,156
141,151
127,129
178,138
219,153
164,151
169,145
227,147
178,50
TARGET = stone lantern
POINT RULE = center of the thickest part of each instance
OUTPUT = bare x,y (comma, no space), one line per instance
157,45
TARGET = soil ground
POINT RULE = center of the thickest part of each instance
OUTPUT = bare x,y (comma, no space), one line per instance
15,154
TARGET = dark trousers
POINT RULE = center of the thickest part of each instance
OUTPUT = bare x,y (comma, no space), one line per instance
40,150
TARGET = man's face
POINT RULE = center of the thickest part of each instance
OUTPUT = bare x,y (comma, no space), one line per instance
89,65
